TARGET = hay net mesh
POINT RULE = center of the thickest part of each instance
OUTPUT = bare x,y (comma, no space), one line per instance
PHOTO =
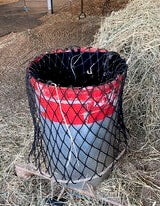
75,99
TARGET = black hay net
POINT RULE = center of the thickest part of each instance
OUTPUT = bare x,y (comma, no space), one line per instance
75,99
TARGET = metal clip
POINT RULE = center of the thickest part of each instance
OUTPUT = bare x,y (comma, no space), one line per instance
89,71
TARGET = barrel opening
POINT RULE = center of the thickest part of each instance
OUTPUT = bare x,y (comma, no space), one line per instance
77,69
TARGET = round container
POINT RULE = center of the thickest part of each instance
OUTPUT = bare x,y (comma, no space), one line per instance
78,124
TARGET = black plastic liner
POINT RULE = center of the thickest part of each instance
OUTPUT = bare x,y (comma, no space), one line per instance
78,69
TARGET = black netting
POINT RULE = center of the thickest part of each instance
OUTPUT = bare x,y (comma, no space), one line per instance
75,98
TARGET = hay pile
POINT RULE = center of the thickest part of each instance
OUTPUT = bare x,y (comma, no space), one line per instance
135,33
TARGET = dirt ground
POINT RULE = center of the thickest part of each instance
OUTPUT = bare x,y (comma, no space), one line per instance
16,49
7,1
13,18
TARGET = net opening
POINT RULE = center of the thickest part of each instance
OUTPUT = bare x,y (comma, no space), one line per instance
78,69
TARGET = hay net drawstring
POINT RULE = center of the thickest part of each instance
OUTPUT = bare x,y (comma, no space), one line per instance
75,99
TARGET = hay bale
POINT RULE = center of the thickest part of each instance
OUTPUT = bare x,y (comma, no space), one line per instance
135,33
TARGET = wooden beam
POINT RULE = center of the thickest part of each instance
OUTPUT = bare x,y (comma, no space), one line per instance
26,171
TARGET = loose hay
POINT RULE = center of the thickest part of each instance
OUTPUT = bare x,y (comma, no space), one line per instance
135,33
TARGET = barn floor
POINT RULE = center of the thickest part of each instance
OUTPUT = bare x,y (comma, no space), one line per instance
16,49
13,18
